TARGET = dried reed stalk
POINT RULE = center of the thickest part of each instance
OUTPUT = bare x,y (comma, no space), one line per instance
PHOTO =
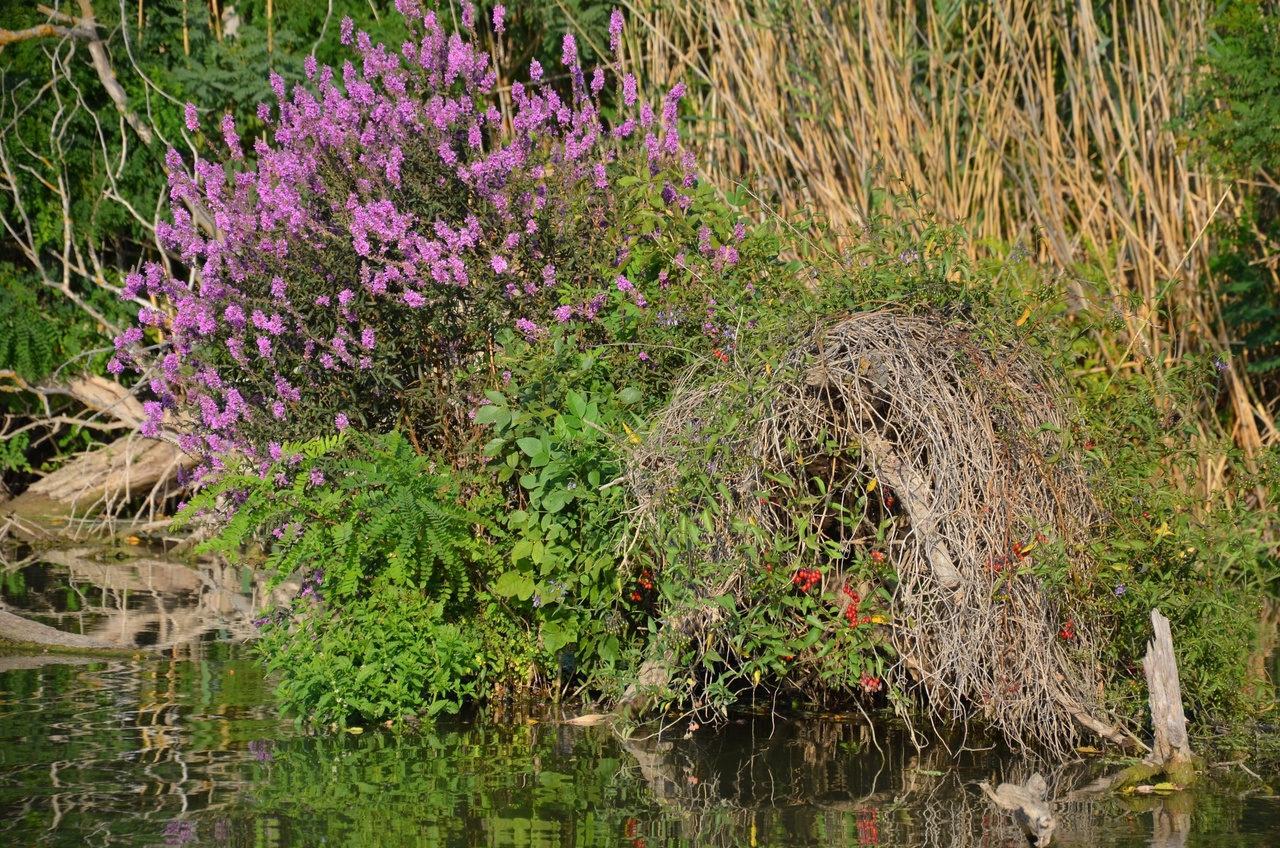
1040,122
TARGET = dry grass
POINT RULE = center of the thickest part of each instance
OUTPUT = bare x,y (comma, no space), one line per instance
1033,121
959,456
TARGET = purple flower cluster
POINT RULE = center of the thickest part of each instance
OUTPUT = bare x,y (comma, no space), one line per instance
390,216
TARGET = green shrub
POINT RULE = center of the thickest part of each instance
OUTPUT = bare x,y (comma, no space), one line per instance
384,622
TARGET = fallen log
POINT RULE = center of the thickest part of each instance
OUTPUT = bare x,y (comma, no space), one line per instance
103,480
125,469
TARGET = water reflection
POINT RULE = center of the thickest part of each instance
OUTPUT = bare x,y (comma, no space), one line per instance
192,752
139,601
184,746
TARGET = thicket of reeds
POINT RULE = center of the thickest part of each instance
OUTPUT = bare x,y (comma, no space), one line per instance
1040,123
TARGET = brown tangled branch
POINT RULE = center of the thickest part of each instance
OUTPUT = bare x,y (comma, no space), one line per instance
84,28
913,436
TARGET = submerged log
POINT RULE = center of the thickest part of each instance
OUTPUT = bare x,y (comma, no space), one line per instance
15,628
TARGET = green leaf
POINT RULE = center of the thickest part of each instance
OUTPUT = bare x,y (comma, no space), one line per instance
521,549
530,446
577,403
514,584
493,415
555,500
555,637
629,396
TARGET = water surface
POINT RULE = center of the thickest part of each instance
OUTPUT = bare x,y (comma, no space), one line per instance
186,747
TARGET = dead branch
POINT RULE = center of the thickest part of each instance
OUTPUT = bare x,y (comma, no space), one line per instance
9,36
1027,803
85,28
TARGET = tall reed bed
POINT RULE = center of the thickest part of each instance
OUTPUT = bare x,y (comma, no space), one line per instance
1040,123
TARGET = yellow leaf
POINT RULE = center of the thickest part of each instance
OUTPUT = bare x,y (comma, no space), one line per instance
355,731
1026,313
1087,749
1163,530
879,619
768,371
1167,787
871,487
132,540
756,677
631,437
751,519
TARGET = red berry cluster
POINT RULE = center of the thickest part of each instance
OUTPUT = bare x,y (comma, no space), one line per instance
806,578
720,355
870,685
877,556
643,587
998,563
1068,630
851,610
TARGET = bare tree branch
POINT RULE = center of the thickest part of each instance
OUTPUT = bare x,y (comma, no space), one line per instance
9,36
85,29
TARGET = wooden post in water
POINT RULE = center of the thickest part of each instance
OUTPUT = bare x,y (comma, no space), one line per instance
1171,751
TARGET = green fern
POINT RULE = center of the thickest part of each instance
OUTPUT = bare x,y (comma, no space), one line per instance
385,514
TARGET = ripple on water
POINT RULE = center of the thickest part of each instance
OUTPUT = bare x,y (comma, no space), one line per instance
172,752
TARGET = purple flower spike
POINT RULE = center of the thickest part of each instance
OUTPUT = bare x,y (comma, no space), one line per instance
615,31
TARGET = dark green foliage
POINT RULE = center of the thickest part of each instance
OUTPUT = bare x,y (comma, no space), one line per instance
28,346
1232,122
1235,114
387,562
1250,297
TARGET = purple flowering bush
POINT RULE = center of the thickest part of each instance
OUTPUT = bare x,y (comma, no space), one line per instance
352,268
385,259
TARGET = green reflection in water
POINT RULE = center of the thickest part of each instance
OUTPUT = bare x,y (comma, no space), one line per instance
191,752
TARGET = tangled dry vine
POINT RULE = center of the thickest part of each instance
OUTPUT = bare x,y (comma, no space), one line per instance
951,453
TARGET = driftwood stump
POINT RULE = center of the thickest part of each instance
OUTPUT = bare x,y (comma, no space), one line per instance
1170,752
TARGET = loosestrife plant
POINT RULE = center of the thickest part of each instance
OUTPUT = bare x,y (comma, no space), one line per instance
353,268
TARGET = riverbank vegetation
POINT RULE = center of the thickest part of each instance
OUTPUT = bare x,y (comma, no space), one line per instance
549,366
